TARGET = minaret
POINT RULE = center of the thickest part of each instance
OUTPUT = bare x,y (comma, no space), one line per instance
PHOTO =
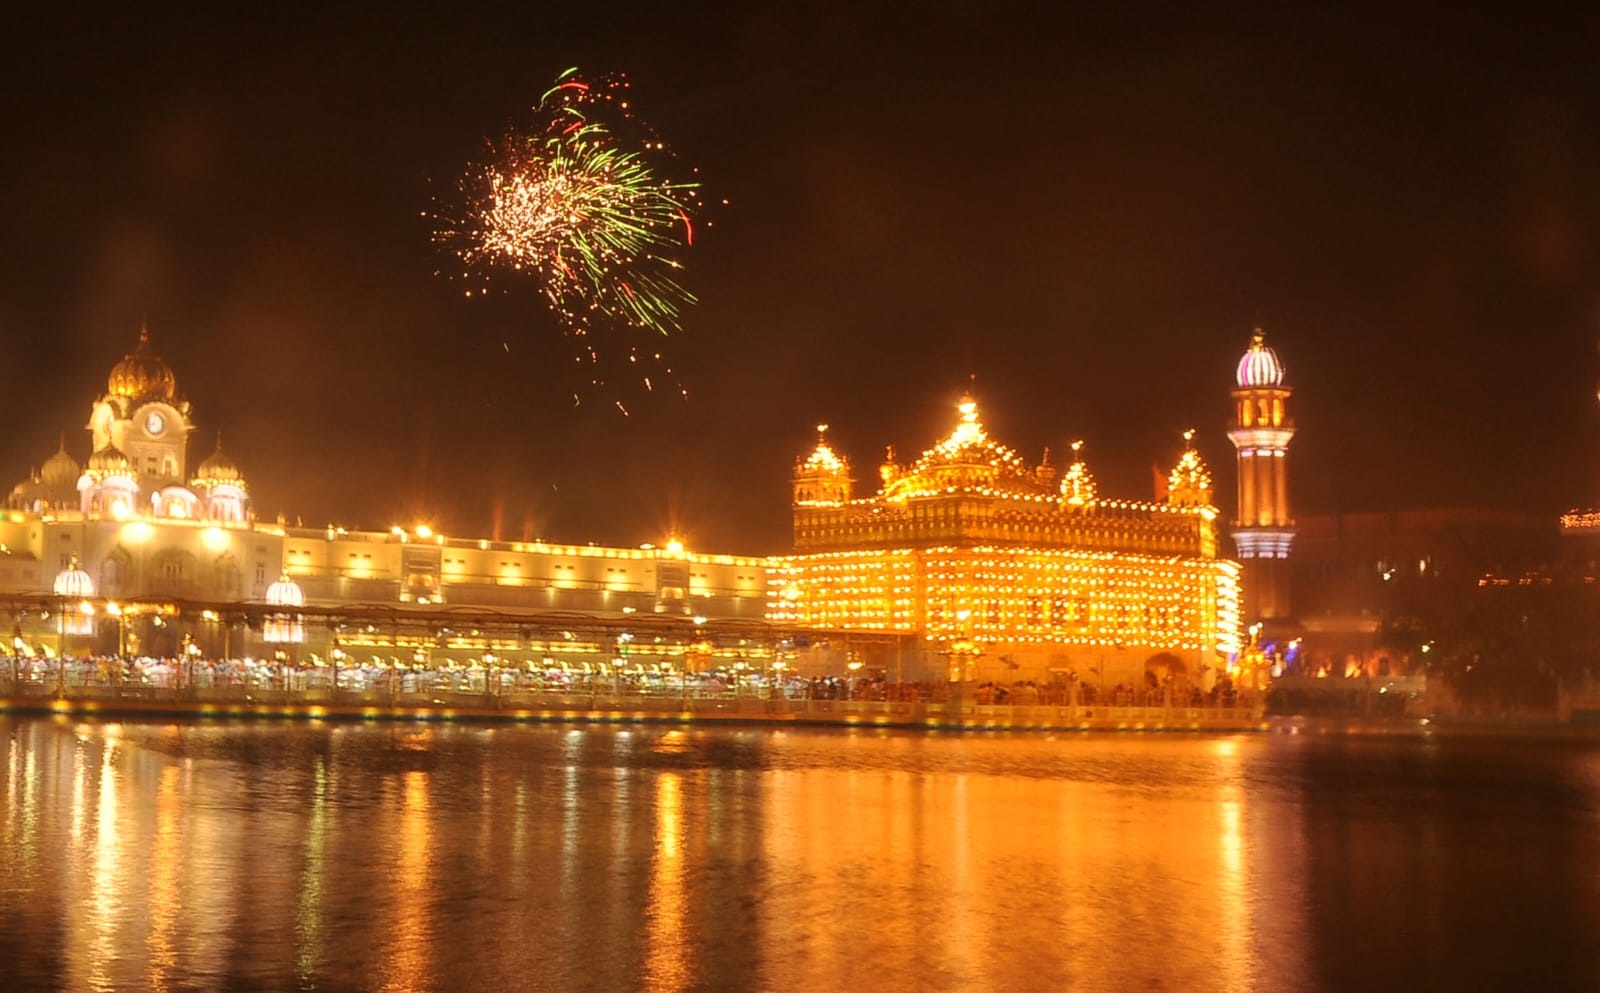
1263,532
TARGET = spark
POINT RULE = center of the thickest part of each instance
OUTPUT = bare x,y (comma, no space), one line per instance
581,200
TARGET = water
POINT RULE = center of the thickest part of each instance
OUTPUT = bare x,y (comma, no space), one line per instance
271,856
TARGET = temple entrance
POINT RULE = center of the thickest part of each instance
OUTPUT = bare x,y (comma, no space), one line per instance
1165,669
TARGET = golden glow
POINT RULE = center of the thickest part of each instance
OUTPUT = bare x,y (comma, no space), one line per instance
1580,520
424,532
410,931
137,532
1012,595
666,944
214,539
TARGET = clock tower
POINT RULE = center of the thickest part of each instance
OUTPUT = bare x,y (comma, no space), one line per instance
141,418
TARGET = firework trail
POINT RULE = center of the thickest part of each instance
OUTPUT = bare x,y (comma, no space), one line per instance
581,200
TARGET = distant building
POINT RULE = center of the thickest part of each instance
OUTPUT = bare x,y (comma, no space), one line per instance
1358,577
132,527
992,569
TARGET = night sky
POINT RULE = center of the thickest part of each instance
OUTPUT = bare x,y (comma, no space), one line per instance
1087,212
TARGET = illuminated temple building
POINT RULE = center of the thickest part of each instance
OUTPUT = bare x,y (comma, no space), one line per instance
135,529
967,564
991,569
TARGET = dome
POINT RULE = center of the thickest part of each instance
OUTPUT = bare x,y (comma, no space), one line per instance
28,493
1189,482
285,593
1259,366
141,374
1077,483
60,471
74,582
823,460
108,461
967,459
218,468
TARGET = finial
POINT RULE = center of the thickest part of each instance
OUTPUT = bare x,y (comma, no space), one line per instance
822,429
219,440
1046,460
144,330
63,440
1188,438
1077,449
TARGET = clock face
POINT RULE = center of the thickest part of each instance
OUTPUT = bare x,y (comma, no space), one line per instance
155,423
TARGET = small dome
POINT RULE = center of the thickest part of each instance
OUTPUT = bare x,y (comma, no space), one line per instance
823,460
218,468
74,582
108,460
1077,483
1259,366
60,471
1189,482
27,493
142,375
285,593
967,459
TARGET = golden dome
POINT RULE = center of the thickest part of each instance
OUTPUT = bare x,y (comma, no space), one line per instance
141,375
218,468
108,461
823,460
967,460
28,493
1189,482
1077,483
60,471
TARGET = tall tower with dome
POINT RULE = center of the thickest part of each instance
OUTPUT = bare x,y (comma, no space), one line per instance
141,418
1263,532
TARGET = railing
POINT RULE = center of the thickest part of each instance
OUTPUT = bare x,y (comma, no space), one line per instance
183,687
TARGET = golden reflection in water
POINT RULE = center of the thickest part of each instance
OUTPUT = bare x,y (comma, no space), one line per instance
308,912
21,830
105,897
572,802
407,954
1233,913
80,788
666,945
164,855
984,875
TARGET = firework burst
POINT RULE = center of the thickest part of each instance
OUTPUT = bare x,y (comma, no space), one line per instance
581,200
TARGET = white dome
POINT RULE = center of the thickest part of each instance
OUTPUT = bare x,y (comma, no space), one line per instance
286,593
74,582
1259,366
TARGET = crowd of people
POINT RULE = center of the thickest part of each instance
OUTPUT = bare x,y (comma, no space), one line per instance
378,681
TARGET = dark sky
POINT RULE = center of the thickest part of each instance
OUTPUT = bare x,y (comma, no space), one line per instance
1087,211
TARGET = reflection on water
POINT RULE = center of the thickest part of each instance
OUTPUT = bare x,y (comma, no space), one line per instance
395,857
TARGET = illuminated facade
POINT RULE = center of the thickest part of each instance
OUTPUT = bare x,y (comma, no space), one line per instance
1263,533
133,524
989,568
